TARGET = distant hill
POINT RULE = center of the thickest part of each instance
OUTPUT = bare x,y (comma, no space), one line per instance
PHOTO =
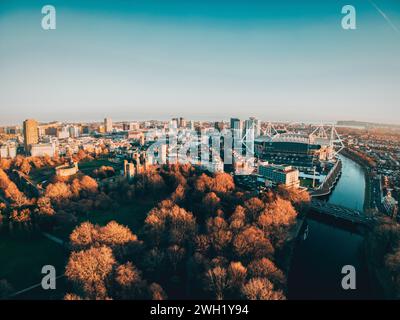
353,123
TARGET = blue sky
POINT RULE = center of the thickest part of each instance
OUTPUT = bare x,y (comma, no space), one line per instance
210,59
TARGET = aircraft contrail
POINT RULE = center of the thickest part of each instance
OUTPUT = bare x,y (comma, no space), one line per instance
394,27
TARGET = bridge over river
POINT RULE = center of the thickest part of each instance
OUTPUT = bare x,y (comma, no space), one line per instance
341,213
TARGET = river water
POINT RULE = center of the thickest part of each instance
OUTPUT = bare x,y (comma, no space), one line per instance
318,260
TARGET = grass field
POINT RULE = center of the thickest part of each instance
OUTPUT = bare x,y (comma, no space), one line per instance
87,167
42,174
306,183
131,215
22,259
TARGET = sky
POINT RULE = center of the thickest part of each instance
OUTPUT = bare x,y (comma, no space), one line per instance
286,60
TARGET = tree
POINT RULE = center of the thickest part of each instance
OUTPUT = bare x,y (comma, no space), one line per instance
254,207
115,235
11,191
130,284
261,289
157,292
251,242
236,275
179,194
210,203
265,268
175,255
223,182
279,213
298,197
58,191
219,233
72,296
112,235
88,270
83,236
25,166
89,185
23,215
182,225
170,223
203,183
44,207
217,281
237,219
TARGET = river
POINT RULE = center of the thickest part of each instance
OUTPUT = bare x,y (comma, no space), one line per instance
318,260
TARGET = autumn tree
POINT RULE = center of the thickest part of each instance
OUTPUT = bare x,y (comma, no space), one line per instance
252,243
216,281
129,282
157,292
279,213
58,191
265,268
237,274
219,233
261,289
254,207
112,235
89,269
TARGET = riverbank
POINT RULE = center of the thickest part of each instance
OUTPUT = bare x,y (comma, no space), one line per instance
318,260
368,198
330,181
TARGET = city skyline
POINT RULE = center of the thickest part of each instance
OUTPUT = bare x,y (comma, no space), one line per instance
133,60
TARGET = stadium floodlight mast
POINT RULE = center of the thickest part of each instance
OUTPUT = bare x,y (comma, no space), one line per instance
329,133
270,131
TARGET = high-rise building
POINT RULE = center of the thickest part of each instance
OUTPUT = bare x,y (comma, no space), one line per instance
31,133
254,124
236,124
182,123
108,125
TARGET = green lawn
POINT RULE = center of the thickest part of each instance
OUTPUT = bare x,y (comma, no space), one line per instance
131,215
39,175
22,259
87,167
306,183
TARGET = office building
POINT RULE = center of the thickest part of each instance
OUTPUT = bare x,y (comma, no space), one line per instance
31,133
108,125
276,174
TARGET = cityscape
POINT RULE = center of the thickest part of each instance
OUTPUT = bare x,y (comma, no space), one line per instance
193,156
59,179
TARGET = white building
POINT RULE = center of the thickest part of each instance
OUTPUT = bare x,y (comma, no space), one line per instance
8,151
74,131
63,133
43,149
